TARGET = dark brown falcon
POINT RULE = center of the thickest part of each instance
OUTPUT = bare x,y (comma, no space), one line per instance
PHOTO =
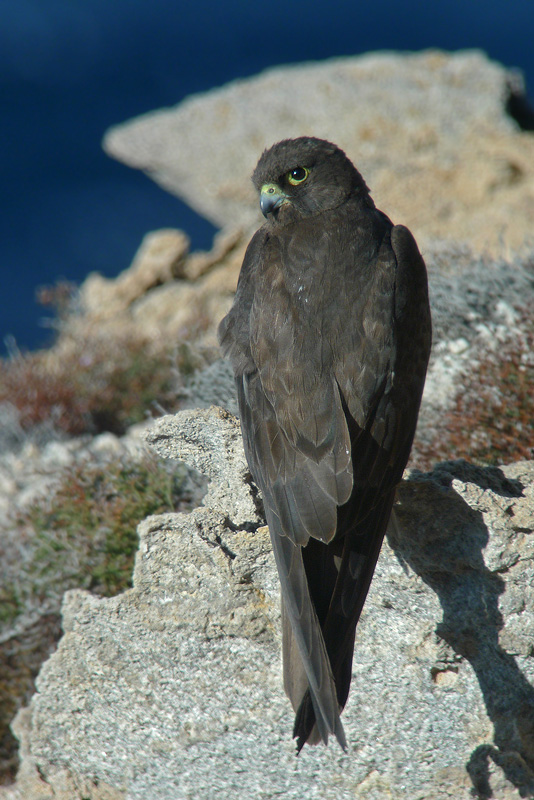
329,336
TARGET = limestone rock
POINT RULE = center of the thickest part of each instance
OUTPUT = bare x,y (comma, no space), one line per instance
166,295
224,243
159,259
173,689
60,784
429,131
210,442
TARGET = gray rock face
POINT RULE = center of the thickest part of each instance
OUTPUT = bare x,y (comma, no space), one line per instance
173,689
210,442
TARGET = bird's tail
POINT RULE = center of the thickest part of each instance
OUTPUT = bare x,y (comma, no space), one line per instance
304,646
296,687
355,571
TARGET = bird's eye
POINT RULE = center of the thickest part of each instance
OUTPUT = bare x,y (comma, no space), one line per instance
297,175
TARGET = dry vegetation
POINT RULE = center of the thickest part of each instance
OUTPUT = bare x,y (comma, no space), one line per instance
82,535
491,421
97,377
100,385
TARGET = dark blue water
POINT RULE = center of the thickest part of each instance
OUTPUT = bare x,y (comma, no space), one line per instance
71,68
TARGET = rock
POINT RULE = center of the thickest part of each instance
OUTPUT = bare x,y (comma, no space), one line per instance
173,689
166,295
64,786
160,259
224,244
210,442
429,131
190,310
213,386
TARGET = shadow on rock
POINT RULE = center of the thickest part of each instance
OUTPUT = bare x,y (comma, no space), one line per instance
442,538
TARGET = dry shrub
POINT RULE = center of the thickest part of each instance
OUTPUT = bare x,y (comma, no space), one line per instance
492,418
86,532
98,384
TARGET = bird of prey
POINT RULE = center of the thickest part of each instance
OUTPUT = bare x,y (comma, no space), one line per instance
329,337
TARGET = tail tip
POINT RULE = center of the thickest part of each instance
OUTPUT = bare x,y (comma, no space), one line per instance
314,737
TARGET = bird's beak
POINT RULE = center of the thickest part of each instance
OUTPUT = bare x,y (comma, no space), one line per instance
271,198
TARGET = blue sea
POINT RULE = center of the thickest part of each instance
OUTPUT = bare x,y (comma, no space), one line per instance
71,68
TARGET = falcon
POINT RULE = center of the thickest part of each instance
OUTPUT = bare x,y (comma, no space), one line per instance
329,337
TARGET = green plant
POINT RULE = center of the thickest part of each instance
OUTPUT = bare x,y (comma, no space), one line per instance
85,535
82,535
10,602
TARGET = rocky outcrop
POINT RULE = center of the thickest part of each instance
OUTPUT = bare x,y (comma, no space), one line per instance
173,689
429,131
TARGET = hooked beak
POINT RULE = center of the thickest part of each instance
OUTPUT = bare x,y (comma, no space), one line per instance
271,198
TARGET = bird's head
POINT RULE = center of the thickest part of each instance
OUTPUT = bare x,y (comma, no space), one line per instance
299,178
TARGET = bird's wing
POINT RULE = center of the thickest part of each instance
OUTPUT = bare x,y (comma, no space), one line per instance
294,427
295,507
319,431
381,444
298,449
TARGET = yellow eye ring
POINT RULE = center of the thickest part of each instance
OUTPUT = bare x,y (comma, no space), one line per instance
297,175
